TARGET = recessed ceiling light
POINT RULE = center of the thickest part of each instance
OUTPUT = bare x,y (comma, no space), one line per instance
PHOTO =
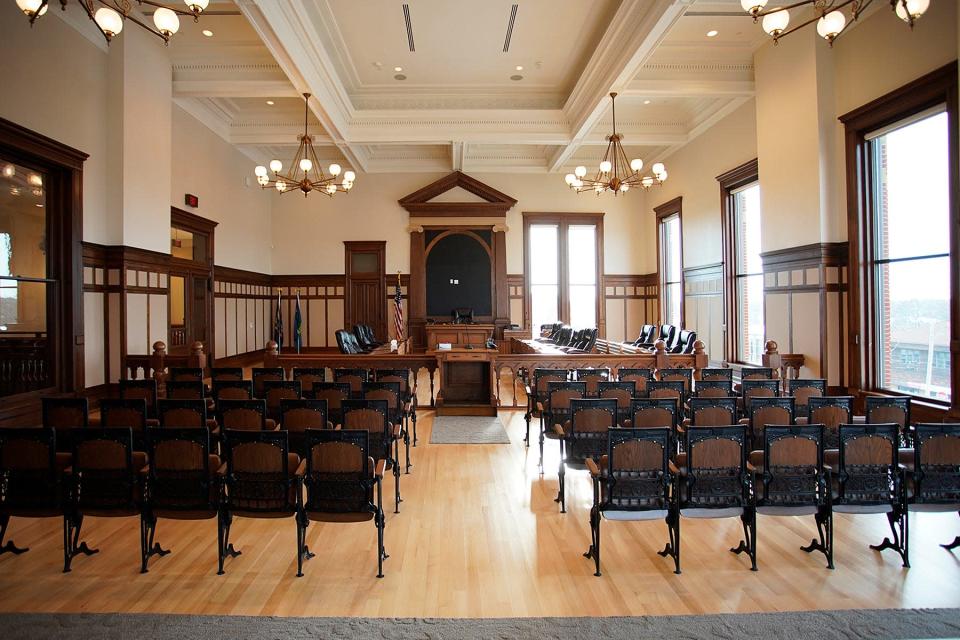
399,76
270,102
207,33
646,102
398,69
516,77
519,67
712,33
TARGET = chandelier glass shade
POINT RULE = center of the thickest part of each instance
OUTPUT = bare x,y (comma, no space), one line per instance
828,15
111,15
615,173
305,173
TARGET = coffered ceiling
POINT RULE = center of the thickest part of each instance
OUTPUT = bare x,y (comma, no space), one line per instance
482,86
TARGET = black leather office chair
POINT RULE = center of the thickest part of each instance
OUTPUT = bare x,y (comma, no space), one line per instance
364,335
646,337
347,342
463,315
684,342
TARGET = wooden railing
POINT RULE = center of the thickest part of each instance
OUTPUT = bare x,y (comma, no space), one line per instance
157,364
786,364
24,363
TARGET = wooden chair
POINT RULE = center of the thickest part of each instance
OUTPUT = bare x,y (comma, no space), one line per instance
712,412
409,395
275,391
716,373
557,410
354,377
333,393
184,483
831,412
186,390
297,416
789,480
232,390
226,374
308,376
244,415
184,414
639,377
371,416
804,389
867,478
185,374
756,373
622,392
392,393
713,389
654,413
104,481
593,378
668,389
711,481
265,374
144,389
64,415
934,480
682,375
884,409
767,411
30,473
759,388
631,482
537,395
341,479
127,412
584,436
263,480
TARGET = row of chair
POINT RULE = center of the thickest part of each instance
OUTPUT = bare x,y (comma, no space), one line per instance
360,340
638,475
178,476
675,339
568,339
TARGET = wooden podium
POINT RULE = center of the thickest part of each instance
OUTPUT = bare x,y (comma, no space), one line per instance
466,382
458,335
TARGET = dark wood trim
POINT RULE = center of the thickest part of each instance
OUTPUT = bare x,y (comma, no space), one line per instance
229,274
664,211
564,220
808,255
496,203
936,87
729,182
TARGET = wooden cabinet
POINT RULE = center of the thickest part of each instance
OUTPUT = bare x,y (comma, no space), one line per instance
458,335
519,334
466,382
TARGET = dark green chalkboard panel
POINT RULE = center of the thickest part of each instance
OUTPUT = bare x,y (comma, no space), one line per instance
462,258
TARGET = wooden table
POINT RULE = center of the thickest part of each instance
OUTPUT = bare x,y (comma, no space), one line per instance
458,335
467,386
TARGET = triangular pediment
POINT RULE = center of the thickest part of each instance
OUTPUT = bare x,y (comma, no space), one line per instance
479,200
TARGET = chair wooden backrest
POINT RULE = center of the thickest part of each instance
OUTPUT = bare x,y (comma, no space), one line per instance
713,389
242,415
868,473
793,473
334,393
831,412
354,377
639,377
29,471
882,409
804,389
145,389
371,416
667,389
65,413
588,427
308,376
593,378
637,474
401,376
769,411
339,476
185,374
756,373
713,412
936,475
559,395
716,466
226,374
389,391
622,392
124,412
104,479
648,413
302,414
186,390
276,390
182,414
759,388
232,390
716,373
180,475
683,375
259,477
542,377
265,374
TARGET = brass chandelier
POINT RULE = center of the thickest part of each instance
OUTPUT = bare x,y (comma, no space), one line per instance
305,172
828,15
615,172
110,15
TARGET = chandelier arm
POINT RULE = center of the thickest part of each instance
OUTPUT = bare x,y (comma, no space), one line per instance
624,161
160,5
802,3
906,10
317,167
811,21
36,14
128,16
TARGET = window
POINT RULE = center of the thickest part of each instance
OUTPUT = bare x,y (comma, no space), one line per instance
8,288
742,265
670,261
909,164
902,162
563,255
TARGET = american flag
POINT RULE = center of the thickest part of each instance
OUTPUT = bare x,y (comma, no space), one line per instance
398,311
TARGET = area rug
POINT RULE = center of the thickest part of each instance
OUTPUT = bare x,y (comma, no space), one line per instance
880,624
468,430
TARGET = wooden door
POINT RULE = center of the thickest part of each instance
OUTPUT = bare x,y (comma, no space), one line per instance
365,293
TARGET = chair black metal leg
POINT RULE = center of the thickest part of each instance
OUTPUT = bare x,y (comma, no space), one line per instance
672,548
303,551
749,541
9,547
824,520
898,539
148,528
406,441
414,418
396,489
225,520
526,438
952,545
380,520
71,539
541,445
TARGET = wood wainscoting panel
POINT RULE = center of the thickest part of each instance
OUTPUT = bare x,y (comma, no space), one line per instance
630,301
703,306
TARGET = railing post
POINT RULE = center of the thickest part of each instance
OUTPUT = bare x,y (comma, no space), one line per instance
270,354
158,363
700,357
197,359
663,361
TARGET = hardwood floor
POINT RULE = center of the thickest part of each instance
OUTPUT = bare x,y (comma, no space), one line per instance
479,536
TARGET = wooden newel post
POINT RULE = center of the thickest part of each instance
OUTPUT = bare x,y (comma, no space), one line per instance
663,362
158,362
771,358
197,358
700,357
271,354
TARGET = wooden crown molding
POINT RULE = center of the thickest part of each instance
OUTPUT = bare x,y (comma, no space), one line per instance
496,203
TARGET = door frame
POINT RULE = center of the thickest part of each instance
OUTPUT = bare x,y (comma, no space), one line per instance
379,248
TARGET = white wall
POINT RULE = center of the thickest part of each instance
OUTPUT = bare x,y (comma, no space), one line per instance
308,233
207,166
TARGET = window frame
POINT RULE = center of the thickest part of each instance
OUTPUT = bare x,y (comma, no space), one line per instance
664,212
563,222
731,182
935,88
